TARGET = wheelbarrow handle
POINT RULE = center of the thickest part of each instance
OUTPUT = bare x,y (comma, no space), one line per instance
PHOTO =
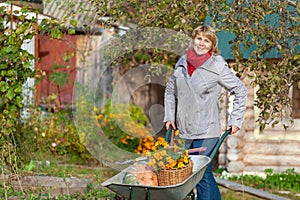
168,135
216,148
219,143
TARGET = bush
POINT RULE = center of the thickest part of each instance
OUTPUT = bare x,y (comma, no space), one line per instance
52,134
287,180
124,125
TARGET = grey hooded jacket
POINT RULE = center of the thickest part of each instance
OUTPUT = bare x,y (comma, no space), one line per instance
193,102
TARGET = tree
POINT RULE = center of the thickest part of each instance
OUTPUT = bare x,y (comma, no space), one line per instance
258,27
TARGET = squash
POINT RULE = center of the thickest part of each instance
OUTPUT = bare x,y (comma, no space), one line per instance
141,174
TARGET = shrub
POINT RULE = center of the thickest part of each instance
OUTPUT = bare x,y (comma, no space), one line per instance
124,125
49,132
286,180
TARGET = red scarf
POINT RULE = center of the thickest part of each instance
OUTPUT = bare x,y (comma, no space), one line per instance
195,60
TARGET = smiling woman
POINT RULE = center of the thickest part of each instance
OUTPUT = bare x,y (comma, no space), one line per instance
204,40
202,44
192,100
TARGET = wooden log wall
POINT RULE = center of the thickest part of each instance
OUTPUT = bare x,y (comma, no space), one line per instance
253,151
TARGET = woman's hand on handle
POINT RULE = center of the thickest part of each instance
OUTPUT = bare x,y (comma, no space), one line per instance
170,124
234,129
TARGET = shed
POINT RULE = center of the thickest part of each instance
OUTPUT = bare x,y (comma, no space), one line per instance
70,55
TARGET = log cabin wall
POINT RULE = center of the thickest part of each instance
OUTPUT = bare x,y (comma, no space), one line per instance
254,151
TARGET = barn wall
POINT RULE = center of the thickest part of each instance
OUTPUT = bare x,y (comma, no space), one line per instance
51,52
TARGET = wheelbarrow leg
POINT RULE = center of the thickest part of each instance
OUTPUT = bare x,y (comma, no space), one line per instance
148,197
192,195
131,193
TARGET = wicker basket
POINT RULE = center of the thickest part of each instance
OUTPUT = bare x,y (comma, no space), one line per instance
174,176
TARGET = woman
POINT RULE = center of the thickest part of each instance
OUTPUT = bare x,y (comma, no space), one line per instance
192,100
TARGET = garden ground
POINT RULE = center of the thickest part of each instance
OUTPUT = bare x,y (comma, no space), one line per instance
87,181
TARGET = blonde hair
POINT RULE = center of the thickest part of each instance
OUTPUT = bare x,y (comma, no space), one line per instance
210,33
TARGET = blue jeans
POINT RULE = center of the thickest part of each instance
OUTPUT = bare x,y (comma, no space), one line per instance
207,188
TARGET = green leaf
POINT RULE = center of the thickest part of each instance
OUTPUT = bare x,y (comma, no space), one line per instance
56,33
18,89
10,94
30,166
59,78
73,22
18,101
2,102
3,86
71,31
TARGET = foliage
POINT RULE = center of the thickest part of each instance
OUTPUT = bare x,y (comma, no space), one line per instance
182,16
57,77
138,57
92,192
15,65
8,191
258,27
165,156
287,180
124,125
262,28
227,194
49,132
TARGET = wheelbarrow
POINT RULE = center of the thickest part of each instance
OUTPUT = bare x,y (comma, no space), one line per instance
175,192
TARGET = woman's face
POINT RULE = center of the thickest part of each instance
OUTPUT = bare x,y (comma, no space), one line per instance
202,44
